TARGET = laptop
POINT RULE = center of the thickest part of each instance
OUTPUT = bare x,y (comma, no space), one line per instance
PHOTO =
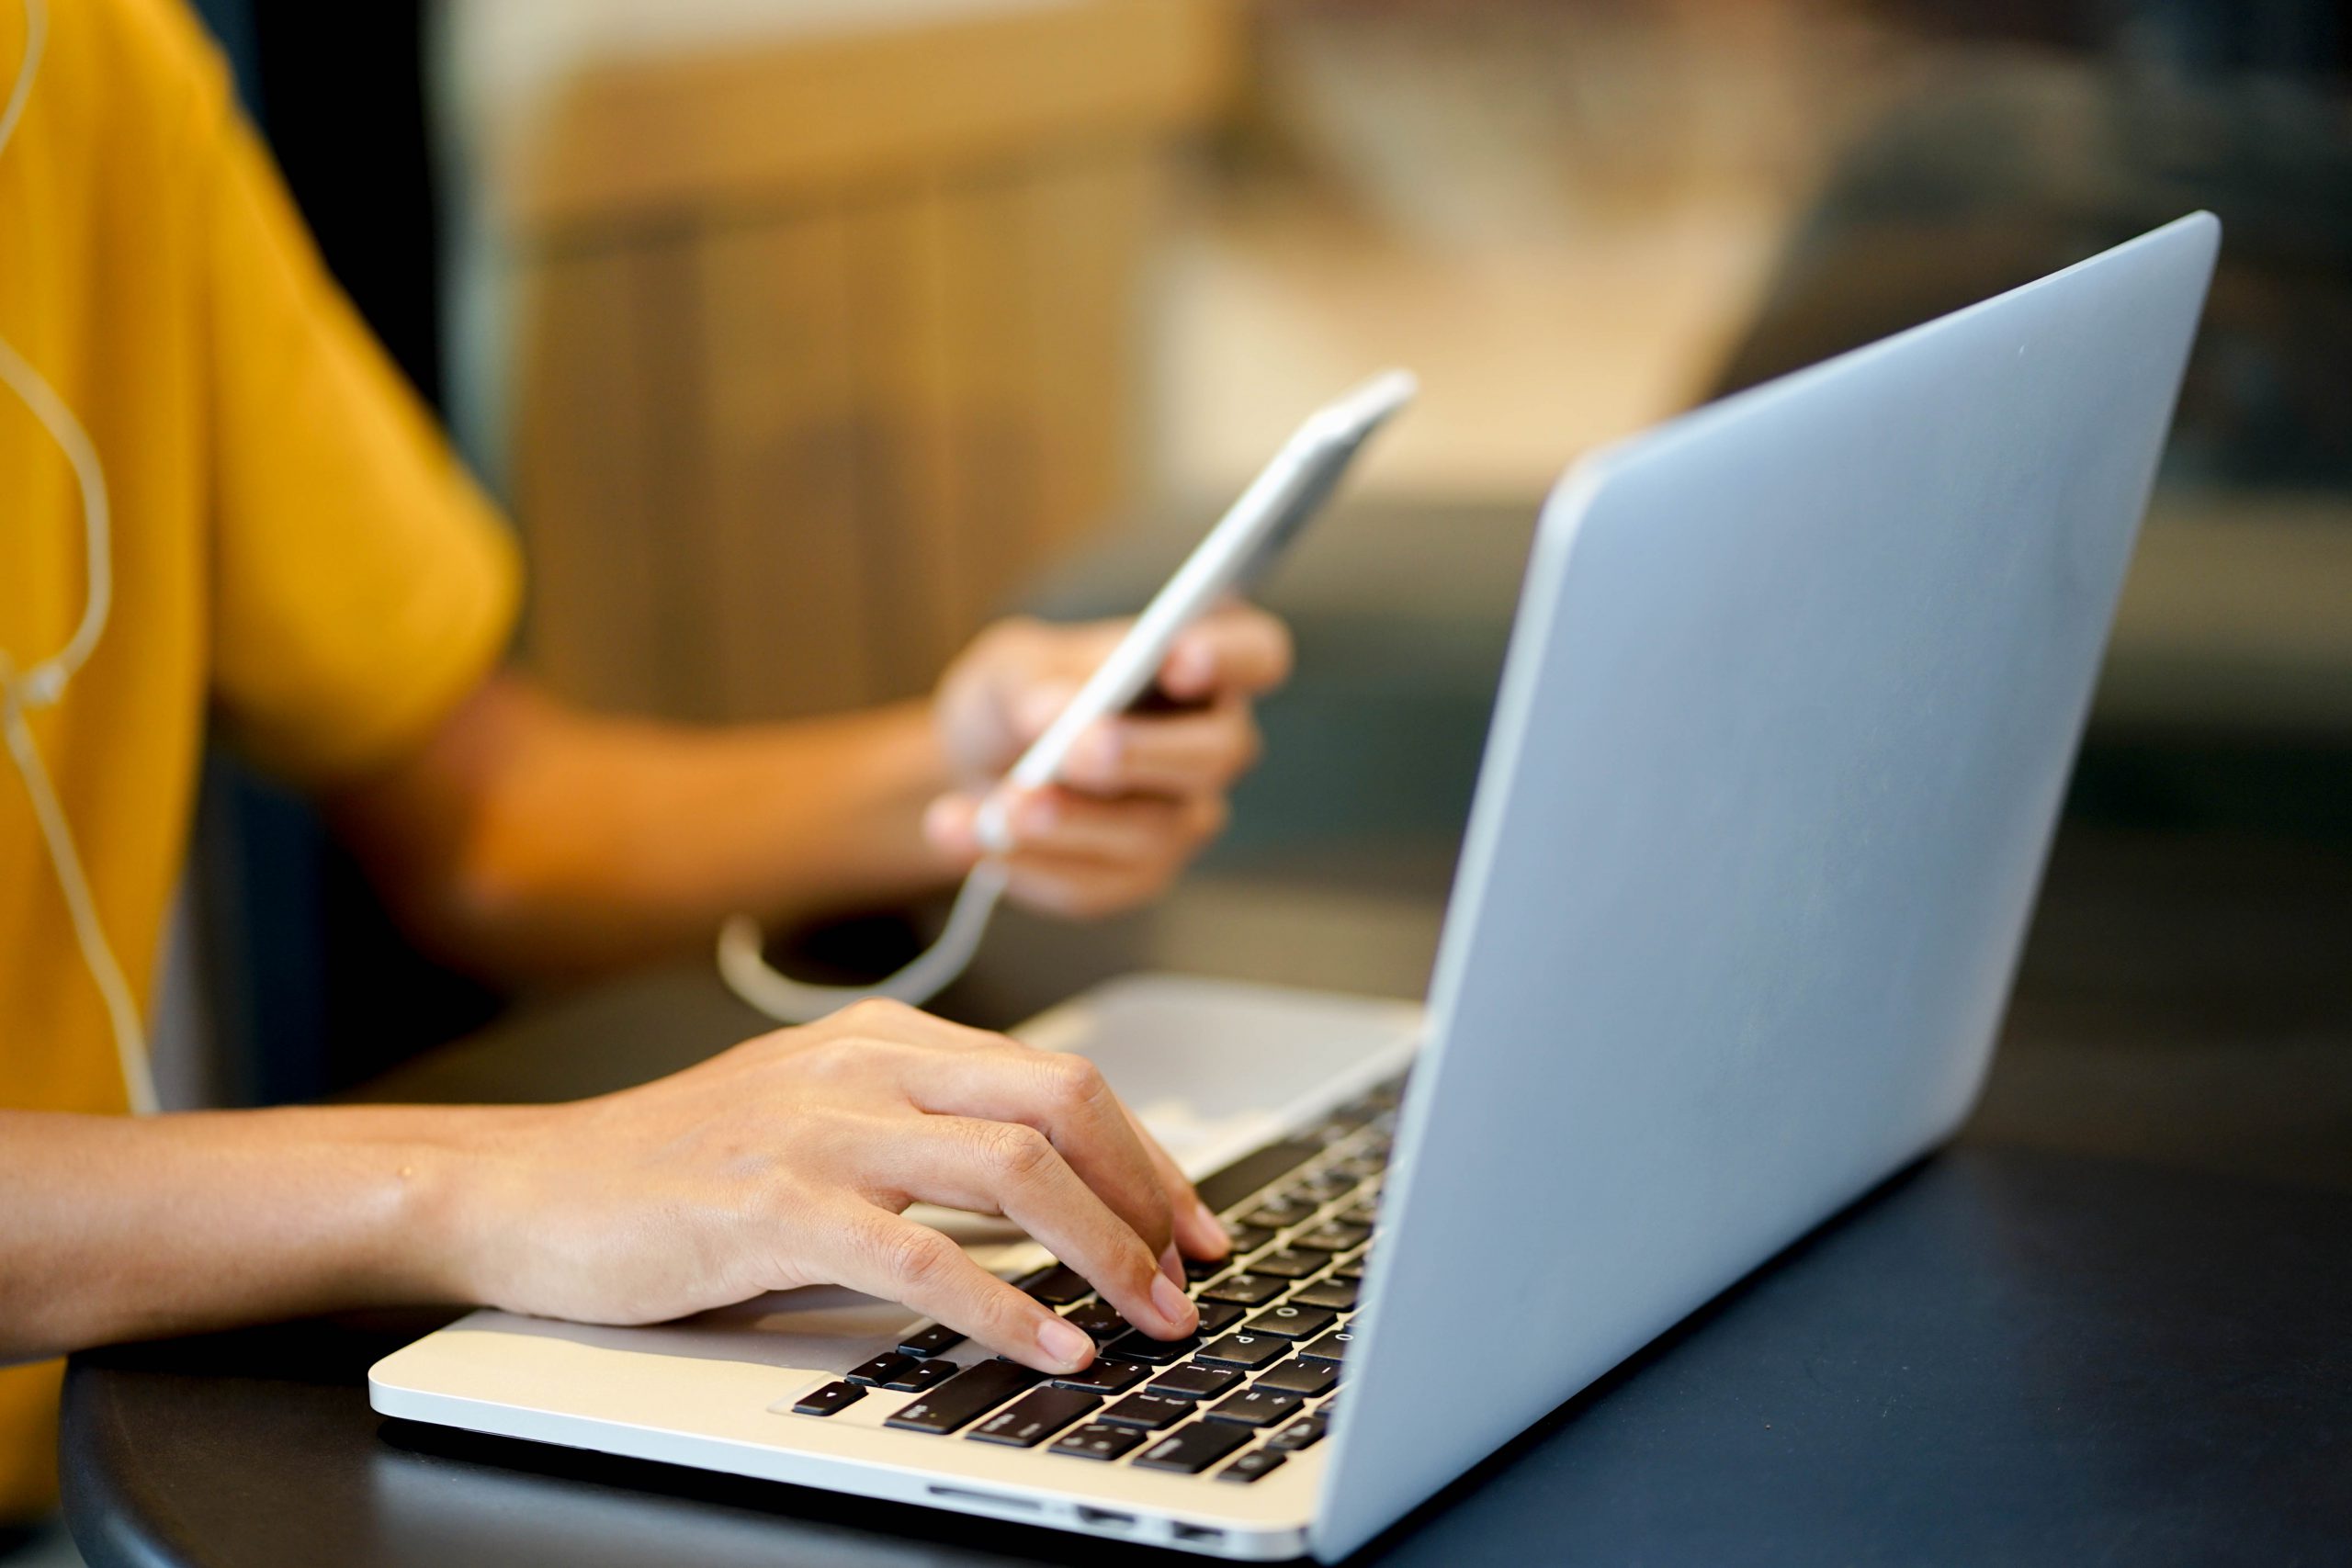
1788,706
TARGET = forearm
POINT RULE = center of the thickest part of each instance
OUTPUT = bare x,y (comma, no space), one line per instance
570,841
113,1229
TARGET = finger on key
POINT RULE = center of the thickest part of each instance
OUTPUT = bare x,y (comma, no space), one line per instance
1199,1233
891,1257
1065,1098
1005,1167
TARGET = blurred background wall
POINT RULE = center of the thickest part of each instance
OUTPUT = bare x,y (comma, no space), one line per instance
805,335
725,289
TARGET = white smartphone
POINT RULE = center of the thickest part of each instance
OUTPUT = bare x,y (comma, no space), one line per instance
1245,541
1244,545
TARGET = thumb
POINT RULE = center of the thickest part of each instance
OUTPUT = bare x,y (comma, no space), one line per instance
1036,705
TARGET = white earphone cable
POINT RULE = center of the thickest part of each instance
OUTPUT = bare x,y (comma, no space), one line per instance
36,36
122,1009
751,976
41,685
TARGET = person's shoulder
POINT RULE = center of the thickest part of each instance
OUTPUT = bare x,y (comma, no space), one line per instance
111,62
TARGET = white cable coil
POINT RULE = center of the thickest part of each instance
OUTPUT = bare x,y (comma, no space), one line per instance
788,1000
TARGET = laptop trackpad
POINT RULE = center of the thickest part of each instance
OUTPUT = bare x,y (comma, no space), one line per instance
1216,1068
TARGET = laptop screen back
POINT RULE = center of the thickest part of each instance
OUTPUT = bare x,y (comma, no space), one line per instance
1789,708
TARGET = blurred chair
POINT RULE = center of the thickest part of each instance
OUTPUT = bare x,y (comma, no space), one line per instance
829,341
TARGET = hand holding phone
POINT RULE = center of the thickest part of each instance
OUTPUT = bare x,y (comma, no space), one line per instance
1244,543
1242,547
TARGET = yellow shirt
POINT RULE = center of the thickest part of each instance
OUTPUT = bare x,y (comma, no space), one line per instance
296,552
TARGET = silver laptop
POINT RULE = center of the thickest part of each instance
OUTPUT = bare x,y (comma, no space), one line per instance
1790,703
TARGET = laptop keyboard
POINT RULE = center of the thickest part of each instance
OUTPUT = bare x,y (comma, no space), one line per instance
1256,1383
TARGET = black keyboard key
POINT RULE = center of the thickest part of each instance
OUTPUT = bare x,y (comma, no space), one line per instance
1326,1184
1199,1269
878,1371
1292,1321
1257,1406
1288,1265
922,1377
1136,1345
1352,1270
1365,1214
832,1397
1035,1417
1332,1347
1194,1381
1250,1466
1277,1212
1104,1374
1247,1238
1303,1433
1096,1441
1148,1410
1332,1236
929,1340
1100,1319
964,1398
1338,1295
1245,1288
1236,1181
1057,1286
1248,1351
1216,1319
1308,1380
1192,1449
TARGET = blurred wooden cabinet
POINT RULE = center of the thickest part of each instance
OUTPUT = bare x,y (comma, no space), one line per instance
829,342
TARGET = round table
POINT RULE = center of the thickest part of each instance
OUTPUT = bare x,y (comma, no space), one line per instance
2003,1356
2008,1353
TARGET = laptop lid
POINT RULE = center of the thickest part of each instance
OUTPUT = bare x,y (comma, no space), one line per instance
1788,711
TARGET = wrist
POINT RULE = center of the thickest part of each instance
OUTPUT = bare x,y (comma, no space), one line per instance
902,765
456,1207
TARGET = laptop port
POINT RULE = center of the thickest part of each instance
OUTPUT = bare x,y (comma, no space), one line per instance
1206,1535
1090,1514
991,1499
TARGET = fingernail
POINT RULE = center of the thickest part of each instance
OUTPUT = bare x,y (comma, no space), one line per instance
1210,1224
1171,1263
1065,1344
1172,1304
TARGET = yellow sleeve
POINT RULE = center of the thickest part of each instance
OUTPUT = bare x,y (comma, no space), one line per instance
362,583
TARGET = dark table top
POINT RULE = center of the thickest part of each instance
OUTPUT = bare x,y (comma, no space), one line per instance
2009,1353
2003,1356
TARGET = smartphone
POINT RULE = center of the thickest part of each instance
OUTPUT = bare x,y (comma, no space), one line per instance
1245,544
